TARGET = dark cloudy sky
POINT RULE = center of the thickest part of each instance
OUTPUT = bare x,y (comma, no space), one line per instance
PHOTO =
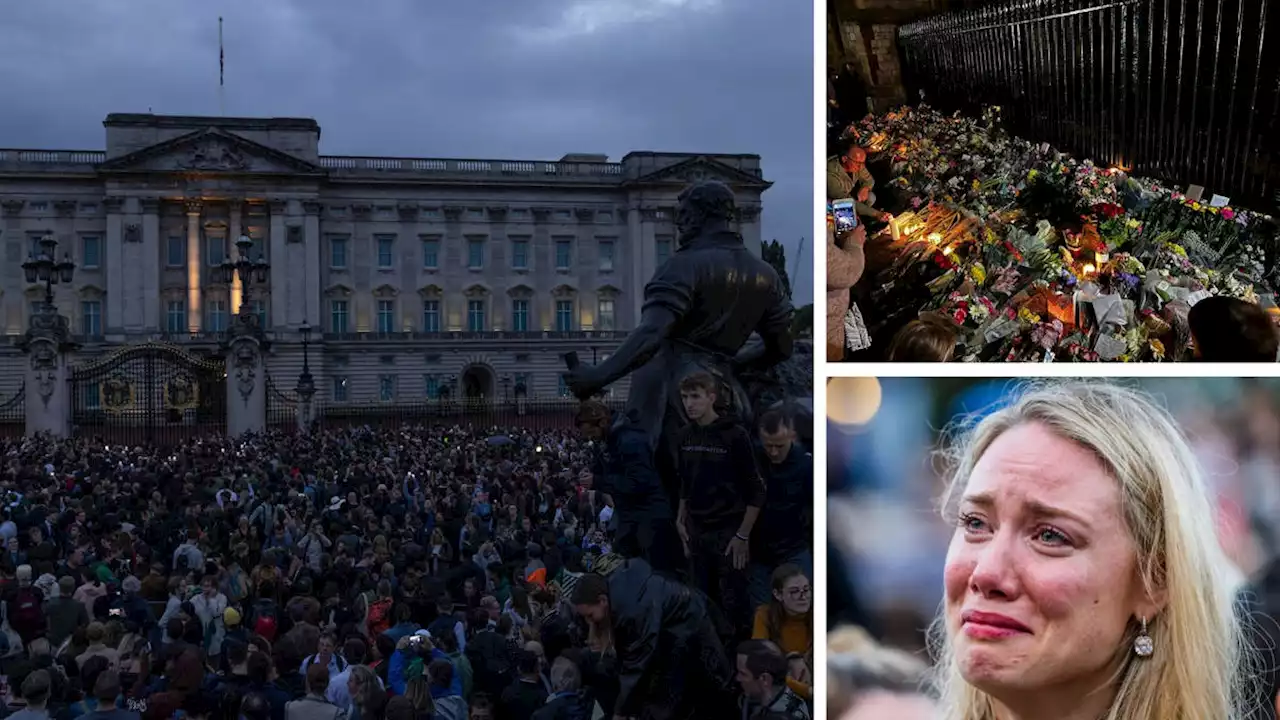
526,79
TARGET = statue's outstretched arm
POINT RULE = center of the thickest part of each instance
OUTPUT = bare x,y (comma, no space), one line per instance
639,347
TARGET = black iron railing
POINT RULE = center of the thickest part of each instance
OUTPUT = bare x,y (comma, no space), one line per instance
1183,90
13,413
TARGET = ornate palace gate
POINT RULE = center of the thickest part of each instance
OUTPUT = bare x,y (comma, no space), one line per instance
153,394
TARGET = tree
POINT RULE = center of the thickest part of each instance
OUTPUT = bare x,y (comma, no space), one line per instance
773,253
802,322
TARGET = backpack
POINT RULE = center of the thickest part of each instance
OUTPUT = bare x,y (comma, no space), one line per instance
265,622
27,614
379,617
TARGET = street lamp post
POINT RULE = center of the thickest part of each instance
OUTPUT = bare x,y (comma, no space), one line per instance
250,272
306,384
44,268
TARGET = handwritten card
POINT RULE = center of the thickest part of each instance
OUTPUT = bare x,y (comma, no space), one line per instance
1219,202
1195,192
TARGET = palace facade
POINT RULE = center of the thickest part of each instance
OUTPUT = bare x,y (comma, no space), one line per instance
416,274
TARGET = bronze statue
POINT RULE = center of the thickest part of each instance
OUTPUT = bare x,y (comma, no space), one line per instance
700,308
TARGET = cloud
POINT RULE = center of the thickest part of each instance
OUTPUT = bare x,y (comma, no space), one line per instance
499,79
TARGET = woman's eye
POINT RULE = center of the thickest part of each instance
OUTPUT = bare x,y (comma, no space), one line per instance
972,523
1052,536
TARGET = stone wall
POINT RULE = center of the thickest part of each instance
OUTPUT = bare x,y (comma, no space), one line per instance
865,32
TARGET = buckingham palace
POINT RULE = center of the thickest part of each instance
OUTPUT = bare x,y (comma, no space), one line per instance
416,274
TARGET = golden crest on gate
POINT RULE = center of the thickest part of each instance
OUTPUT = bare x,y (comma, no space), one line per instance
181,393
117,394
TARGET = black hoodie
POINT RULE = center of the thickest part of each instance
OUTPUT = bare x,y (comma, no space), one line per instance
719,478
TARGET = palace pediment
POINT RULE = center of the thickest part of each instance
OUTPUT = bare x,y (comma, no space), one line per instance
211,151
701,168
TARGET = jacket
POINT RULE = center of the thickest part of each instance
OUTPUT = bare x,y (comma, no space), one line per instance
841,185
666,647
313,707
844,269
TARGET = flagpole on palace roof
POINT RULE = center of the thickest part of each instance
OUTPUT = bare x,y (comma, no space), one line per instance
222,65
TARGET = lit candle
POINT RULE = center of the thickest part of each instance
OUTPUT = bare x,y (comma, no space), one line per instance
935,238
947,250
1088,270
894,229
1100,258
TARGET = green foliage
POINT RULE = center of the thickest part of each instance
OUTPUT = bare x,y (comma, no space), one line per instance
802,323
776,255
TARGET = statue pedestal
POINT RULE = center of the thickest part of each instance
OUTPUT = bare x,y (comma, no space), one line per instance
246,377
48,374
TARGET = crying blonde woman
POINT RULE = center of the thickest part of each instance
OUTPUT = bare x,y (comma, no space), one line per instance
1084,579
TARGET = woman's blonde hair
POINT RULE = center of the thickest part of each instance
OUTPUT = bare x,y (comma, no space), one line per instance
1197,671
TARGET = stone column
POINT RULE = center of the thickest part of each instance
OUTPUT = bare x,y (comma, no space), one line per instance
113,313
193,266
279,265
246,376
313,248
48,373
237,291
150,265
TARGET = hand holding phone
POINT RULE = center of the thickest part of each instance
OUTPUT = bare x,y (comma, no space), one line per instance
845,215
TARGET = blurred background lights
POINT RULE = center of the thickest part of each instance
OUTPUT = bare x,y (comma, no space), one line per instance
853,402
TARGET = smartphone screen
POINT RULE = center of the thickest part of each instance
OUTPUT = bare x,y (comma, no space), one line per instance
845,215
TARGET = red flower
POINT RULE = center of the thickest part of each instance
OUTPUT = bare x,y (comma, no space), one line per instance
960,316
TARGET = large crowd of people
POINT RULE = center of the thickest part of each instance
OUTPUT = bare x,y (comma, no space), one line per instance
425,572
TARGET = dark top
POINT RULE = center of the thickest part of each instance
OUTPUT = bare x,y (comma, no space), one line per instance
785,525
719,478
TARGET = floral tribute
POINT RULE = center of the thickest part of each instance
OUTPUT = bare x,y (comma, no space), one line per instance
1036,256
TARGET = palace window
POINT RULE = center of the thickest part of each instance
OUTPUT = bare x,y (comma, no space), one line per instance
216,318
431,254
431,316
90,251
91,317
475,316
564,254
604,317
339,389
520,315
475,253
176,316
259,308
520,254
386,251
175,251
216,246
431,386
606,255
563,389
386,316
338,311
338,253
386,388
564,315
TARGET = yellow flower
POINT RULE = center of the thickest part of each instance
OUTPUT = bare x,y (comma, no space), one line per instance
1178,249
1157,348
1133,224
1195,206
1033,174
979,273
